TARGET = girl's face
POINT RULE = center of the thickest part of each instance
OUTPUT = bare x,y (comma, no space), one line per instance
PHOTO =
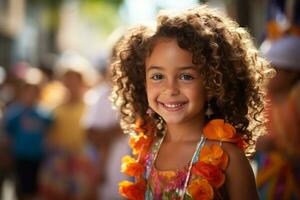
174,86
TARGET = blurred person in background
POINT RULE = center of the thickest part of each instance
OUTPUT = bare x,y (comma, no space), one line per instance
103,128
69,171
278,153
26,125
10,86
5,153
53,92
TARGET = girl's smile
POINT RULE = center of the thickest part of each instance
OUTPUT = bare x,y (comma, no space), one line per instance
173,106
174,85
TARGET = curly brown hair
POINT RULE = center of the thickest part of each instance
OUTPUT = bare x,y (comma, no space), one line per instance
234,72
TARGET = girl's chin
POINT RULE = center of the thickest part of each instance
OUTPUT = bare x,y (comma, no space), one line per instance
173,120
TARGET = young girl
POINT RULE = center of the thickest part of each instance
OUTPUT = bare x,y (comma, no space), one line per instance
193,89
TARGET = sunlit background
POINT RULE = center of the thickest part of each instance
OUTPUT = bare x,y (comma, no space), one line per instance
41,35
37,30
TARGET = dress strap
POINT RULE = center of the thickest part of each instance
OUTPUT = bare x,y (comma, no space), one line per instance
194,160
199,147
152,157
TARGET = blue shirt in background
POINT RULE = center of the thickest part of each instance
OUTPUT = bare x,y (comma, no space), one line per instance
27,128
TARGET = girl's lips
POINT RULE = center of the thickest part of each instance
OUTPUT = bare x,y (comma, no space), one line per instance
174,106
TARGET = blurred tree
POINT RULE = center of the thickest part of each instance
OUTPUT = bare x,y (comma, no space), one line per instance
116,3
102,14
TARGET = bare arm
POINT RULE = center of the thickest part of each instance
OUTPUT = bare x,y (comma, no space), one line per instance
240,181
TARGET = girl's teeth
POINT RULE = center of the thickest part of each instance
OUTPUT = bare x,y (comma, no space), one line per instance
172,105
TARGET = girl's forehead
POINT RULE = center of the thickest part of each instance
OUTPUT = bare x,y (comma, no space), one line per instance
160,42
162,39
168,55
168,46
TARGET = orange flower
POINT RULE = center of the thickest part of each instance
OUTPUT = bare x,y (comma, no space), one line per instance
131,167
214,155
140,143
132,191
210,172
200,189
142,126
217,129
139,125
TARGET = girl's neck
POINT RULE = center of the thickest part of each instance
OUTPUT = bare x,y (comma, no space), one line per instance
184,132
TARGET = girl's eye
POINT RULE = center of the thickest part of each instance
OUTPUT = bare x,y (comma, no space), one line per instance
157,77
186,77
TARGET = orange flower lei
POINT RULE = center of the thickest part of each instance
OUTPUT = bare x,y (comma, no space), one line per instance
207,174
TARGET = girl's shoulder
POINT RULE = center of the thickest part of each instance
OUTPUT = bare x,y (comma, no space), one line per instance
222,137
239,174
227,147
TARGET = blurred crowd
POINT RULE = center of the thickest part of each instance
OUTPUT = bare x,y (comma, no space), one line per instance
60,137
277,152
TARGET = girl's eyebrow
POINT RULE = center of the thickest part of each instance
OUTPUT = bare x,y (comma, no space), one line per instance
153,67
192,67
187,67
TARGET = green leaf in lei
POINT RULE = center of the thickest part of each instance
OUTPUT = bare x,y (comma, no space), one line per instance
187,197
172,194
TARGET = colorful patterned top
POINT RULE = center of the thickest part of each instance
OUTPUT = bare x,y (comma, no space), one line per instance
202,179
163,184
168,184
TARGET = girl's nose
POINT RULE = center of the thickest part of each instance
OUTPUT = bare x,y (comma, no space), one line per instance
171,88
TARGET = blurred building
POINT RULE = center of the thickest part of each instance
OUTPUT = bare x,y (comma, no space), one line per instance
11,21
33,30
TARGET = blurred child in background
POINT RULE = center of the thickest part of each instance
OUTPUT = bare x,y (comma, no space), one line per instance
69,172
278,155
26,125
278,152
102,124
